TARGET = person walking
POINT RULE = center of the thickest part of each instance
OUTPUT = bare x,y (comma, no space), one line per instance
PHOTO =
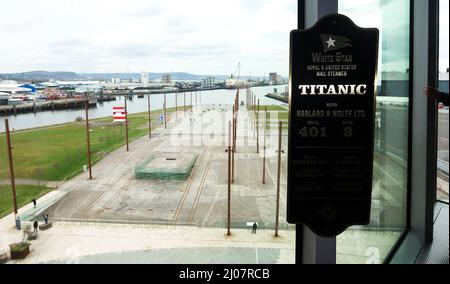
255,226
46,218
35,226
34,202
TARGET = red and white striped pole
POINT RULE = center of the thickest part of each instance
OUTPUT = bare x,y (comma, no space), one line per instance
126,123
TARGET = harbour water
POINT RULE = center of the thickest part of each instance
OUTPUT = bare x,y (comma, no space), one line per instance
47,118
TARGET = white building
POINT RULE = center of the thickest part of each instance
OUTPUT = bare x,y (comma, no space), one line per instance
4,97
273,78
209,82
145,80
115,80
13,89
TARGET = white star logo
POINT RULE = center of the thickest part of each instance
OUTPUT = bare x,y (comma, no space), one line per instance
331,42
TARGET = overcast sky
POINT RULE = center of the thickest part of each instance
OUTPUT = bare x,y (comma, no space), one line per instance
196,36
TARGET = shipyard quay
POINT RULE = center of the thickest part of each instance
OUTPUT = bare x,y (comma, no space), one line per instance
229,140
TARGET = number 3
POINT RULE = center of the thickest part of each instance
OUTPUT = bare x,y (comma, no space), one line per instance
348,132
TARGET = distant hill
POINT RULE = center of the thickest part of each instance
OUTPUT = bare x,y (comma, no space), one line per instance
72,76
41,76
153,76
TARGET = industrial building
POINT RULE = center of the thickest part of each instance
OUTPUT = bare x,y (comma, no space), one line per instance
273,78
166,79
208,82
145,79
4,98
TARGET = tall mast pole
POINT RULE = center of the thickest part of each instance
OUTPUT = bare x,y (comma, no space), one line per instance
126,123
11,166
88,142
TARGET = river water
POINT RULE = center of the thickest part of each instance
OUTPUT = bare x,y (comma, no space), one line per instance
46,118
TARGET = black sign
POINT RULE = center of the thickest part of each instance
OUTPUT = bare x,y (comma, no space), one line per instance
331,130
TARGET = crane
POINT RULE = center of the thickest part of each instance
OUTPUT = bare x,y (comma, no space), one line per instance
234,81
237,71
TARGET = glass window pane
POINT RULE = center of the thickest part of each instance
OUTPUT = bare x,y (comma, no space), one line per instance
388,216
442,163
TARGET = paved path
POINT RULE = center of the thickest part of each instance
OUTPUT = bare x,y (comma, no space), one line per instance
83,242
69,242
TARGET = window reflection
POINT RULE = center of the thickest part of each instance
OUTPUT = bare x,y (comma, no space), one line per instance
442,162
388,216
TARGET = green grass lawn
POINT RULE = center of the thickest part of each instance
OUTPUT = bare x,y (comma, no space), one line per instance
269,108
277,115
24,193
273,126
59,152
281,115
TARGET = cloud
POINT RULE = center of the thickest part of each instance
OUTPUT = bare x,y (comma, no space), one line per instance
115,35
142,9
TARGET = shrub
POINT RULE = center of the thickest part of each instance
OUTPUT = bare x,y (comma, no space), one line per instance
19,247
19,250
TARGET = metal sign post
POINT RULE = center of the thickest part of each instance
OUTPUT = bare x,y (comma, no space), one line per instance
318,250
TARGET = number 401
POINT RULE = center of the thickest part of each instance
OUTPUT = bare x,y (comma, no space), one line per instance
313,132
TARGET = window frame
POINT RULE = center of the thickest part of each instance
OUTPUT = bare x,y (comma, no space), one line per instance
419,228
